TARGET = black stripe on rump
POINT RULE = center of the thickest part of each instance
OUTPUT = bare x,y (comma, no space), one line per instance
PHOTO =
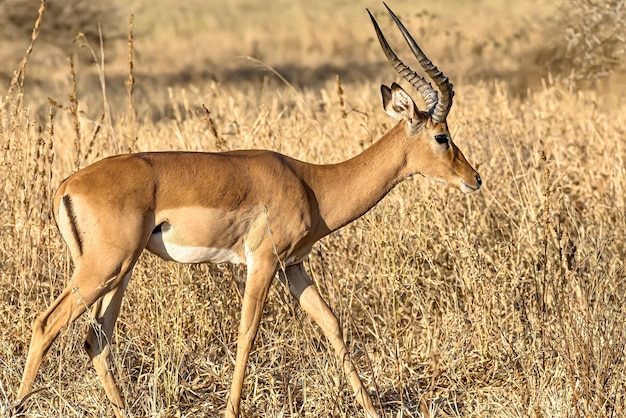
67,202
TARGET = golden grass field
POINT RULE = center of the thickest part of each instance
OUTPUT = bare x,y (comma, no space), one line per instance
510,302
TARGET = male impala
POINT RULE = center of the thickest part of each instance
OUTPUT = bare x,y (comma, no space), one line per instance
218,207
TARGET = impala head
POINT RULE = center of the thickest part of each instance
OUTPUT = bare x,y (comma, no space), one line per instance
433,154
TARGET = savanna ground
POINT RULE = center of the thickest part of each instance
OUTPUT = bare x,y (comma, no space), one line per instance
509,302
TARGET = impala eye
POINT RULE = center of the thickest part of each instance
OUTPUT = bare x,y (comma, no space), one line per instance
442,138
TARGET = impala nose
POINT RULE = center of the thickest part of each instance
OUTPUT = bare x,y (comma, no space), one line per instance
479,182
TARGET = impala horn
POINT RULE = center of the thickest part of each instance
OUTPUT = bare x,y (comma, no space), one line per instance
437,108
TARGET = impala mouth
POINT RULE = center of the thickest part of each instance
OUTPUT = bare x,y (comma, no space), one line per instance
468,188
464,186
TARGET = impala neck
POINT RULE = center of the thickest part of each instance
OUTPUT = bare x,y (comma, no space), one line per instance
347,190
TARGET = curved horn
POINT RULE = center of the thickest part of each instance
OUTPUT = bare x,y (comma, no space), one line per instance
416,80
445,86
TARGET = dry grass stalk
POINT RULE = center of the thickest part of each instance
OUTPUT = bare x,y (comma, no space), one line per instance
219,141
130,87
99,63
342,105
73,108
19,76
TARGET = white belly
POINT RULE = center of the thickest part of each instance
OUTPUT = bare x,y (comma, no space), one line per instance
168,250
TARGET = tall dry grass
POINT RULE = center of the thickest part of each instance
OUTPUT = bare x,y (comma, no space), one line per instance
509,302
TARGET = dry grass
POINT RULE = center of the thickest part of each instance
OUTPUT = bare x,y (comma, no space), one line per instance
505,303
596,44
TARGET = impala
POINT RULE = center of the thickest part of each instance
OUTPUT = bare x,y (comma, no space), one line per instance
218,207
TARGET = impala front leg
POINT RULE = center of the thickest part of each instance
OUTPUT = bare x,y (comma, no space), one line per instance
303,289
258,282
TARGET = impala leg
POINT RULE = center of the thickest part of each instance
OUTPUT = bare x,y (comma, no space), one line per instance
70,304
98,341
303,289
257,286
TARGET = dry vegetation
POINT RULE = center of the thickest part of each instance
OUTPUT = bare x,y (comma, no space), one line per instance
506,303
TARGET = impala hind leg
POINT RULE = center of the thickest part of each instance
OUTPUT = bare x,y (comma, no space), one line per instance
86,287
98,341
303,289
70,304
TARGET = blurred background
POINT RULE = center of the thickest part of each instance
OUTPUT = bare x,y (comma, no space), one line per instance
196,41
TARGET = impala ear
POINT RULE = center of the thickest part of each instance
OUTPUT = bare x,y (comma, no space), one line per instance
397,103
